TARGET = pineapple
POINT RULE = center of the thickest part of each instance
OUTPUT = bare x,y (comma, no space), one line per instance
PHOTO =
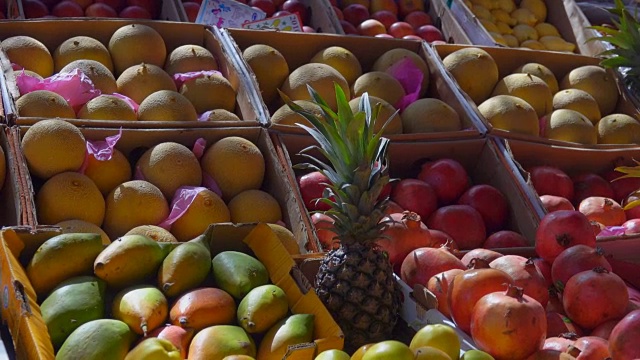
355,281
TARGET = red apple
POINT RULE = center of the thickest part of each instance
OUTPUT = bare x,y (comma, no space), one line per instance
191,9
135,12
429,33
278,3
387,18
400,28
384,36
117,5
355,14
100,10
34,9
50,3
418,18
265,5
67,8
348,28
297,6
152,6
412,37
312,186
84,4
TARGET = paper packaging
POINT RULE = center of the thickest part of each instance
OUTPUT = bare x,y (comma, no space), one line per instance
174,34
133,140
172,10
298,48
29,332
520,155
480,157
560,64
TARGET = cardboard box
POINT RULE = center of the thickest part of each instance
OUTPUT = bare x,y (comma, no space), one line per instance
12,197
298,48
480,157
135,141
520,155
580,25
29,332
174,34
556,15
171,10
560,64
445,21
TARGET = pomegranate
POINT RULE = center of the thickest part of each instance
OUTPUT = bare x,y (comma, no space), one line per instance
442,238
447,177
634,296
490,203
589,184
594,296
549,180
67,8
592,348
555,302
574,260
631,199
623,342
632,227
485,254
137,12
604,330
603,210
393,208
553,203
312,186
100,10
403,234
34,9
415,195
421,264
562,229
324,231
597,228
525,275
550,355
621,187
508,325
560,324
468,287
505,239
560,342
544,268
462,222
439,286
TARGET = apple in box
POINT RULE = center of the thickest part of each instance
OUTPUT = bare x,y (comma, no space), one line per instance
312,186
430,33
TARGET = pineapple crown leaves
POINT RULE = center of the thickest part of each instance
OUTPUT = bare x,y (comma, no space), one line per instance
357,164
625,37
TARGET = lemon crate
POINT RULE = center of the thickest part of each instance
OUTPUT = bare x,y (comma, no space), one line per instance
174,34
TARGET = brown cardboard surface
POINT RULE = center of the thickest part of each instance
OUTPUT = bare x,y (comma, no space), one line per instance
580,25
298,48
12,199
174,34
480,157
134,141
451,29
560,64
29,333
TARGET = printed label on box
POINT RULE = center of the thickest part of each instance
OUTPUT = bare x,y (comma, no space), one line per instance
289,22
227,13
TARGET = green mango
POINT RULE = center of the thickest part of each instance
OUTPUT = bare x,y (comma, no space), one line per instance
476,355
238,273
103,339
186,267
293,330
154,348
142,307
72,303
262,308
219,341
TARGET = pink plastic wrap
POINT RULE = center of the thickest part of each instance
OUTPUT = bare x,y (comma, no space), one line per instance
410,77
128,100
612,231
181,78
101,150
182,199
199,147
74,86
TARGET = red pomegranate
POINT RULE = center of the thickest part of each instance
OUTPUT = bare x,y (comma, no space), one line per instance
544,268
525,275
416,196
592,348
312,186
562,229
447,177
508,325
403,234
603,210
555,302
485,254
604,330
549,180
439,286
632,198
505,239
441,238
550,355
421,264
576,259
490,203
553,203
560,342
594,296
621,187
558,324
632,227
589,184
468,287
324,231
462,222
623,342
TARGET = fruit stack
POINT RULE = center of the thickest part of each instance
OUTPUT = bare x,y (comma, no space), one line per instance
130,9
398,74
138,298
560,99
167,186
91,75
